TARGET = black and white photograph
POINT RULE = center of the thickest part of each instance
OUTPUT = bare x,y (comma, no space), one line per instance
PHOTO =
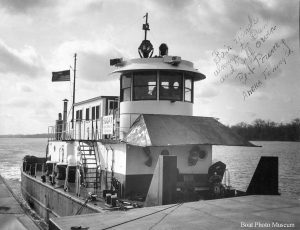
149,114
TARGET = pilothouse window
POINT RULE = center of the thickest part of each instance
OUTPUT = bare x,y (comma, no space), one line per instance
170,86
144,86
173,86
188,89
125,87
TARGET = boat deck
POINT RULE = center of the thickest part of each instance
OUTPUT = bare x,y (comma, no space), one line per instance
12,216
254,212
99,204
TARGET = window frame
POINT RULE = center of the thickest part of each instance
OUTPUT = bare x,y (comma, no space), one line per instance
122,89
183,77
79,115
93,113
181,81
87,114
191,89
133,86
97,112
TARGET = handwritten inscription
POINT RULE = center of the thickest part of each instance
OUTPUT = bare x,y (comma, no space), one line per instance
254,56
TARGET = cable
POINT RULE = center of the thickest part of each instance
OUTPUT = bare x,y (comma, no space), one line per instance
82,206
164,217
128,221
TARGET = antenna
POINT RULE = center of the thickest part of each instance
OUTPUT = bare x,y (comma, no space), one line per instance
74,70
146,26
146,48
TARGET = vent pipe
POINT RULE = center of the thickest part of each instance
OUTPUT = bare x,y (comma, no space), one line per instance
58,127
65,117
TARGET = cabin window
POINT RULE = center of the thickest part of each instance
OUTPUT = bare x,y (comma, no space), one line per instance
93,112
78,115
125,87
170,86
188,89
113,105
144,86
97,112
87,114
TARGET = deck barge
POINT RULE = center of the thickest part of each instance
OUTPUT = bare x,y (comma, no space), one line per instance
246,212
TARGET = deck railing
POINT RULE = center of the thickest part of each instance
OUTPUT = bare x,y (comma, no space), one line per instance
82,130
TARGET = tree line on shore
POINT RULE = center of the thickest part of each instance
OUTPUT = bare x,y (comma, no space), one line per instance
261,130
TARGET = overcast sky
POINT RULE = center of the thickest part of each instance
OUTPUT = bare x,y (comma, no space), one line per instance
38,37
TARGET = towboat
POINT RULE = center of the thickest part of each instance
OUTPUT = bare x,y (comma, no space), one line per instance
142,148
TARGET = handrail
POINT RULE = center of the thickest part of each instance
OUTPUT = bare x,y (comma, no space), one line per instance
82,130
27,168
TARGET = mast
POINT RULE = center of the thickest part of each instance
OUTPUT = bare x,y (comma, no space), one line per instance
74,70
146,48
146,26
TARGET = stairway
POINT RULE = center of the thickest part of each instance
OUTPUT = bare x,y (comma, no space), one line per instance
91,174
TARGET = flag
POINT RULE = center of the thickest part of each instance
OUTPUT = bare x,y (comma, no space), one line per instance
61,75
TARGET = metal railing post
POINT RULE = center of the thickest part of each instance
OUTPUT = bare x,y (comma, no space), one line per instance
35,169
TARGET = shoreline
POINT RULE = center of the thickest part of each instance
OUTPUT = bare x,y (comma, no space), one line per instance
42,137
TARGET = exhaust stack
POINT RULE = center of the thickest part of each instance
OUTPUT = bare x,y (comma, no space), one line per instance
65,117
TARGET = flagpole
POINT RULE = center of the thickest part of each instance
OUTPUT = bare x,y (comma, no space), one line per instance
75,58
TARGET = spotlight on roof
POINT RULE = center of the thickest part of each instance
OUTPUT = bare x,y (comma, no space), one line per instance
145,49
163,49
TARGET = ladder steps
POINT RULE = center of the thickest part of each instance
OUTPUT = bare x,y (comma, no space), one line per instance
89,158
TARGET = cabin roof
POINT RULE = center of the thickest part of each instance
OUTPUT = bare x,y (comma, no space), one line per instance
95,99
165,130
158,63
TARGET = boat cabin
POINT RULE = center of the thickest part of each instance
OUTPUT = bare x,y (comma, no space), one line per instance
89,117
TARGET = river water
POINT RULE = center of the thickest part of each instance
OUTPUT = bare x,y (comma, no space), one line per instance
241,161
